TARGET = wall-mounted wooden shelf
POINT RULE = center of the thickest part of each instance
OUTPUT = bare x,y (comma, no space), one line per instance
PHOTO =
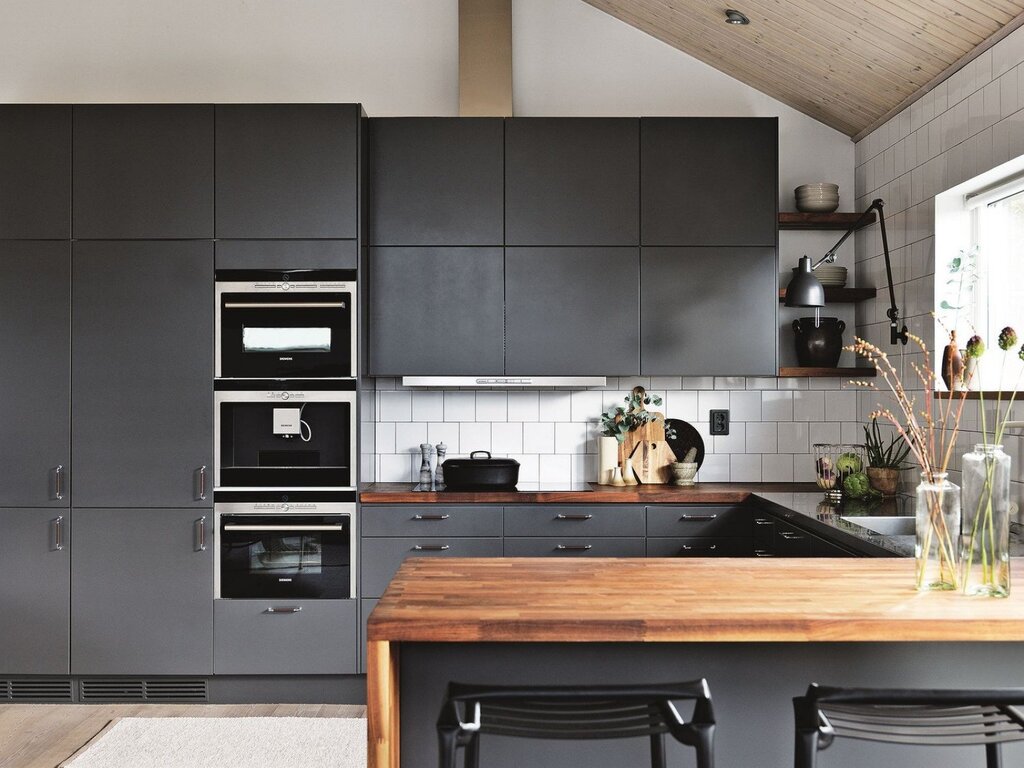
838,221
817,373
990,395
835,295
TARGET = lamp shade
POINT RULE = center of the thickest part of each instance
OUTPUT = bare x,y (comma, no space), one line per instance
805,290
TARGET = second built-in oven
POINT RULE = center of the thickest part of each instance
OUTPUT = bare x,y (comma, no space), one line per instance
286,325
285,436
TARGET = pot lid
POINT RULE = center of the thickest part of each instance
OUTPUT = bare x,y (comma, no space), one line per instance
475,460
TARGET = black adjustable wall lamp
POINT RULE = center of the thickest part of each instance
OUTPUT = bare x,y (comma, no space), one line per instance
805,290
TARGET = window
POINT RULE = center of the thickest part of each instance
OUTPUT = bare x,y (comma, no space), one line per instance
980,288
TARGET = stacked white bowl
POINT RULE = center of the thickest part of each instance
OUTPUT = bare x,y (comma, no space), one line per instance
821,197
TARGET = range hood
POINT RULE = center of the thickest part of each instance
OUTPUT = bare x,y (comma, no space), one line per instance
504,381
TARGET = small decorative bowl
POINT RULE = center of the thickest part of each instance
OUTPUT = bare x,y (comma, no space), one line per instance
683,472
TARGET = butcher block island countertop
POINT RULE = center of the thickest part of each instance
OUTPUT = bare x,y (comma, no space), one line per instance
680,600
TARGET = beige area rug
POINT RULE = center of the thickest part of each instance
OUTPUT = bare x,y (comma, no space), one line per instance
229,742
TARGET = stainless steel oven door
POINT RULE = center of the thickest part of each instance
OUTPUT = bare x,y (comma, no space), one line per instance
303,554
295,327
284,440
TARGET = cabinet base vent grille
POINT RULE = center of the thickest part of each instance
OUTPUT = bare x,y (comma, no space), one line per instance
154,690
36,690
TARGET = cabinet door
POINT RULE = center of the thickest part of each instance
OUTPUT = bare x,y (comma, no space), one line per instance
35,591
572,311
436,181
35,168
709,181
572,181
35,375
287,170
436,311
143,171
708,311
142,593
142,366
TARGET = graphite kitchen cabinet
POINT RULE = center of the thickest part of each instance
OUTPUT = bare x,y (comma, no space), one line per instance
572,181
142,592
709,181
35,168
142,367
287,170
709,310
35,591
436,181
436,311
35,373
572,311
143,171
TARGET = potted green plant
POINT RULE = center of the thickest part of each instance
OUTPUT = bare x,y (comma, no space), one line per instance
884,461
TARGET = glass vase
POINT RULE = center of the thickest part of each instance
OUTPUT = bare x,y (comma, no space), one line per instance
937,551
985,498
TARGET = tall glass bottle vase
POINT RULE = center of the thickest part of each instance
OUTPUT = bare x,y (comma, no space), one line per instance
985,559
938,533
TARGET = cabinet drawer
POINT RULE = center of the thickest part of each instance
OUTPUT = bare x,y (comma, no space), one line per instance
704,546
317,639
382,557
431,520
699,520
574,546
574,520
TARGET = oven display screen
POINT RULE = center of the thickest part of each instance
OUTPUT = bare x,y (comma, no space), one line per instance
283,340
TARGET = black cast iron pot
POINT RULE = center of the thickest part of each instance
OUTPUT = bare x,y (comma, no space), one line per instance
480,474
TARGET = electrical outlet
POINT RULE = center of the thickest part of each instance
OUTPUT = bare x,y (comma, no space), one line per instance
720,422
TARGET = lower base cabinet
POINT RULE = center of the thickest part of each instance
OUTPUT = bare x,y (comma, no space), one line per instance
35,591
293,637
699,547
142,592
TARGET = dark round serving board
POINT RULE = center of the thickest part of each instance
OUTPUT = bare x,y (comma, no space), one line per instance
687,437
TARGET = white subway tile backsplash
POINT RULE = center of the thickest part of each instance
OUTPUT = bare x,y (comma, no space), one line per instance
745,468
524,406
507,437
396,468
394,406
555,406
793,437
777,468
682,404
571,437
444,432
529,467
539,438
778,405
474,436
745,406
427,405
409,436
734,442
715,469
708,400
555,468
841,406
763,437
384,437
825,432
587,405
492,406
459,405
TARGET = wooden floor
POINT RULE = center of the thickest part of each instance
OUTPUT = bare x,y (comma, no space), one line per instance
44,735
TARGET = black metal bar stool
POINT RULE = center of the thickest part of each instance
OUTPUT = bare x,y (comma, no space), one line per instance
900,716
576,712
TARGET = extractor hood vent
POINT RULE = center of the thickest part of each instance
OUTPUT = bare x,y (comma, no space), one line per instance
504,381
45,689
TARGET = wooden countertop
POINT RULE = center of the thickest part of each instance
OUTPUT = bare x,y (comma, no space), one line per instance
680,600
708,493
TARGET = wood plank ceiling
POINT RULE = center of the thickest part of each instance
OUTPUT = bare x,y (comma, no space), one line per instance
847,63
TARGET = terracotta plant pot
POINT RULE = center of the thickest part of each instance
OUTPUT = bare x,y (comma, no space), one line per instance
885,480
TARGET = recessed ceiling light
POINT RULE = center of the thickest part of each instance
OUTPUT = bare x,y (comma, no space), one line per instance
735,17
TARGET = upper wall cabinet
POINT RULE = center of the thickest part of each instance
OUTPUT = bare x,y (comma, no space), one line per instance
35,172
709,181
572,181
436,181
572,311
143,171
287,170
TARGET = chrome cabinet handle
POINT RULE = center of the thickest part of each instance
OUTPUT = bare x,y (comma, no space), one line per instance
58,482
698,518
430,517
284,609
710,548
431,547
790,536
58,533
762,553
202,483
575,547
762,521
561,516
200,538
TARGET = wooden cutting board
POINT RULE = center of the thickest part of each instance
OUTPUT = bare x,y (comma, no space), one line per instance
651,454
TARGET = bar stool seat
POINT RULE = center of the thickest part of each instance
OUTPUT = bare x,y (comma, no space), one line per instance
576,712
986,718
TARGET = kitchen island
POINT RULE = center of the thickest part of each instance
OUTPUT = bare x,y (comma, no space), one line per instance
758,630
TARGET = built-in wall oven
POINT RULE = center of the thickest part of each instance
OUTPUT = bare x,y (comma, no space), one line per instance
285,325
296,549
284,435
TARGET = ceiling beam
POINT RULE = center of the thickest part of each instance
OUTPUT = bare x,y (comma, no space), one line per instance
485,58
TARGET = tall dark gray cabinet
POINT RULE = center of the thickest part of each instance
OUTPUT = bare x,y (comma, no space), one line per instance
35,166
